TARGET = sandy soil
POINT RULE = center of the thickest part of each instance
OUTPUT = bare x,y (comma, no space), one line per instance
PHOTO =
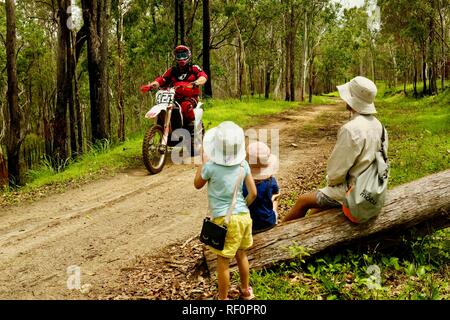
102,226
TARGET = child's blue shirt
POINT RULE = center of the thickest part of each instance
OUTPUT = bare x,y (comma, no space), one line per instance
221,183
261,210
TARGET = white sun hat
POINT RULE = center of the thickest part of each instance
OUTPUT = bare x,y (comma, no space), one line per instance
359,93
263,164
225,144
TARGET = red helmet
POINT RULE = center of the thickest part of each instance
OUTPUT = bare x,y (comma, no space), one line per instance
182,55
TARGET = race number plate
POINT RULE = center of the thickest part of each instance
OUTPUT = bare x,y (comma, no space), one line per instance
164,97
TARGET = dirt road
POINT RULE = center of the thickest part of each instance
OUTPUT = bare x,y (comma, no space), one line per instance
101,226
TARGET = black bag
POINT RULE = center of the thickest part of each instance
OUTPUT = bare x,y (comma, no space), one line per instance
213,234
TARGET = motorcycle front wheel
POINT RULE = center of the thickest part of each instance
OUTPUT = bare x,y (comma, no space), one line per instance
153,152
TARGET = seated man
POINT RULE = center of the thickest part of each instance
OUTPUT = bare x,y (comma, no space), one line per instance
357,143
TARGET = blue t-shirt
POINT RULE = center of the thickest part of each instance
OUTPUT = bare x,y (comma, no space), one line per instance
221,183
261,210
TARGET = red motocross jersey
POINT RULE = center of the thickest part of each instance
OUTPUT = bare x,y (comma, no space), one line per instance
174,76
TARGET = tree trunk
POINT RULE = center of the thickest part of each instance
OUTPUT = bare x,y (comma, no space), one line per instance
305,57
3,170
424,70
14,134
267,82
311,78
415,72
420,204
240,59
443,46
60,121
206,48
96,15
72,116
252,80
292,32
182,35
287,54
120,94
176,20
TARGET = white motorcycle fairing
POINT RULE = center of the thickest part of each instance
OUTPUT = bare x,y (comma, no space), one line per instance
155,110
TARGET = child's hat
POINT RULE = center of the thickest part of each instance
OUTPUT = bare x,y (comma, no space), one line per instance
263,164
225,144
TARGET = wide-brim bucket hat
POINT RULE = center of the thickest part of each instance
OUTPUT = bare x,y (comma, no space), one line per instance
359,93
263,164
225,144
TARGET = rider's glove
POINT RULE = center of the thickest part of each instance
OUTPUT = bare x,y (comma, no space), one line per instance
194,84
146,87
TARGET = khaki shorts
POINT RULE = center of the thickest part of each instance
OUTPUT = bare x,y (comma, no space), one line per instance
336,193
325,201
239,234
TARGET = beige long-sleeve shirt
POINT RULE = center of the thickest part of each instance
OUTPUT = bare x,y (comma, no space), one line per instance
357,143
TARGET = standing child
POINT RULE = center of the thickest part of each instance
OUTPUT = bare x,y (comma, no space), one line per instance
263,164
224,146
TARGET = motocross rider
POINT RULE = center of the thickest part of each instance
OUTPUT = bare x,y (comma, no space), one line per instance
185,73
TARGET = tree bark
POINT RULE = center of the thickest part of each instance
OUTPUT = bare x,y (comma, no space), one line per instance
311,78
305,57
267,81
424,70
62,82
96,16
287,47
206,47
14,135
3,170
423,204
182,35
70,96
120,94
176,20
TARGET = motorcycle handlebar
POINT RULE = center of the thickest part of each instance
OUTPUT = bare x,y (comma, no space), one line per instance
145,88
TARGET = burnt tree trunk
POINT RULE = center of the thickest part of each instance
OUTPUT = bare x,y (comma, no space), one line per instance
423,204
96,16
14,134
59,124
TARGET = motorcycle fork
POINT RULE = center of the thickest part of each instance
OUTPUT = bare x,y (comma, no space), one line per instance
166,133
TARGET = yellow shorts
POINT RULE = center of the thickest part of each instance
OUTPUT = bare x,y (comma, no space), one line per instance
239,234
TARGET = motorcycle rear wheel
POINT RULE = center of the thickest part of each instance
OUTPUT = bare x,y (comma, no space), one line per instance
153,153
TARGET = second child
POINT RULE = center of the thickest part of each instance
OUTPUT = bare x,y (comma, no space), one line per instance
263,165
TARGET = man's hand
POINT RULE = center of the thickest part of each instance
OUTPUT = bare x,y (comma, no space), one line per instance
147,87
194,84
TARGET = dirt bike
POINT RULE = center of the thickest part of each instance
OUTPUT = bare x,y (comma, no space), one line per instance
159,139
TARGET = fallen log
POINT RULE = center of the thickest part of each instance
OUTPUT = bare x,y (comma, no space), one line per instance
424,204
